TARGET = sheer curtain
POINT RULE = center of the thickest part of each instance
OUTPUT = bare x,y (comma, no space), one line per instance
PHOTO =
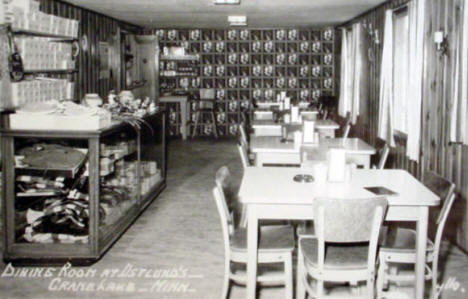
385,126
416,11
459,112
351,72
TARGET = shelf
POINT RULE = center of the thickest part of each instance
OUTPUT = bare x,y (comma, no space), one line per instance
185,57
43,34
51,71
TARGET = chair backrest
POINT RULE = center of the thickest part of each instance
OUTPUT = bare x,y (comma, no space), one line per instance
446,191
347,129
347,125
348,221
223,180
383,153
242,147
243,133
207,97
227,224
325,114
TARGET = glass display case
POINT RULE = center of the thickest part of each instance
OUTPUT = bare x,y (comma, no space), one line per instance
68,195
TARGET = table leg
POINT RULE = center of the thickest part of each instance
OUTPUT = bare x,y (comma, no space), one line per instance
258,160
252,244
183,112
421,228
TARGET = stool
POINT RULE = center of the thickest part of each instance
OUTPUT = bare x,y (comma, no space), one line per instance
206,105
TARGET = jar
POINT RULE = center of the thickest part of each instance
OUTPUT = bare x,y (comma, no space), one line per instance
92,100
126,96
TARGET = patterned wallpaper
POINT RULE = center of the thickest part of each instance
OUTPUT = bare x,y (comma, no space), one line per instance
245,65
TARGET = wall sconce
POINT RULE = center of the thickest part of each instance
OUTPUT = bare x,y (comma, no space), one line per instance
441,41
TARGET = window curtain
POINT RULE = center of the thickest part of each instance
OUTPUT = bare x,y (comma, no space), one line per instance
351,72
385,125
459,111
416,12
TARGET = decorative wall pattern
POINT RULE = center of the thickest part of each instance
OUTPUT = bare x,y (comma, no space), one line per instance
248,65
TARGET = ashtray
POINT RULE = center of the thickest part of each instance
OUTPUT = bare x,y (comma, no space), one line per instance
303,178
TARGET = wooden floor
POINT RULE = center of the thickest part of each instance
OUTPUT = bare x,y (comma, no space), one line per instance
176,246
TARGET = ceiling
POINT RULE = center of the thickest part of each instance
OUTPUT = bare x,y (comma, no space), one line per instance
204,14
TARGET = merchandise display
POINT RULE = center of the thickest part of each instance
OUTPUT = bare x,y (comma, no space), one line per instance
27,17
60,199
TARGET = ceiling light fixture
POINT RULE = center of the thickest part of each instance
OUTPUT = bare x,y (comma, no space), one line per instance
237,20
227,2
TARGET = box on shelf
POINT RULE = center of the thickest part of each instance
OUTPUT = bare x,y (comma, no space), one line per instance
54,122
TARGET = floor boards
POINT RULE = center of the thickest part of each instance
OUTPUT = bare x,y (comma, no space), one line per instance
177,241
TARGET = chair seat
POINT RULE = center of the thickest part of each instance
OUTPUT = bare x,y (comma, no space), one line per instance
340,257
402,240
272,238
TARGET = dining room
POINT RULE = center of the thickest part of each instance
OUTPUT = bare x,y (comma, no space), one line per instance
315,149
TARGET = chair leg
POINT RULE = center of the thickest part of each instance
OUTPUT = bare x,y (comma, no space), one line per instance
288,276
319,289
300,288
195,127
381,276
434,288
227,272
370,287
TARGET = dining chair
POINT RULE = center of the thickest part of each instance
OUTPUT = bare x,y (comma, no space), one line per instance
205,105
243,152
243,133
276,245
383,155
345,247
399,244
347,126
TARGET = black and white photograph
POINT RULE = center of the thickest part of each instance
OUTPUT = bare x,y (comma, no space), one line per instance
230,149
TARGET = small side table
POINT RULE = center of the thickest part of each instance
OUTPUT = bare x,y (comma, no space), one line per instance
184,111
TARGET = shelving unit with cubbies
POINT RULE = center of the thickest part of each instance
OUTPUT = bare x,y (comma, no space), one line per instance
247,66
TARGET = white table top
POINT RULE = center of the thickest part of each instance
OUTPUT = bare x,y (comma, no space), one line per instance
275,185
319,124
351,145
271,144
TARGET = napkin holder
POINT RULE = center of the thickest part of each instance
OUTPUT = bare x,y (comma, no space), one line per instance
337,165
294,114
297,140
308,129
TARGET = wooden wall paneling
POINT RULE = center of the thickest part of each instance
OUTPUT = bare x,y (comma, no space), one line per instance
436,152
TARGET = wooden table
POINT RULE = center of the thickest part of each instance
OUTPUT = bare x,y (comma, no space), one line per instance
357,151
271,193
270,150
326,128
184,111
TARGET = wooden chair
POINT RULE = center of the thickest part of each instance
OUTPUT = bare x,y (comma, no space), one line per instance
243,133
399,245
347,126
276,245
206,105
243,152
383,155
340,252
